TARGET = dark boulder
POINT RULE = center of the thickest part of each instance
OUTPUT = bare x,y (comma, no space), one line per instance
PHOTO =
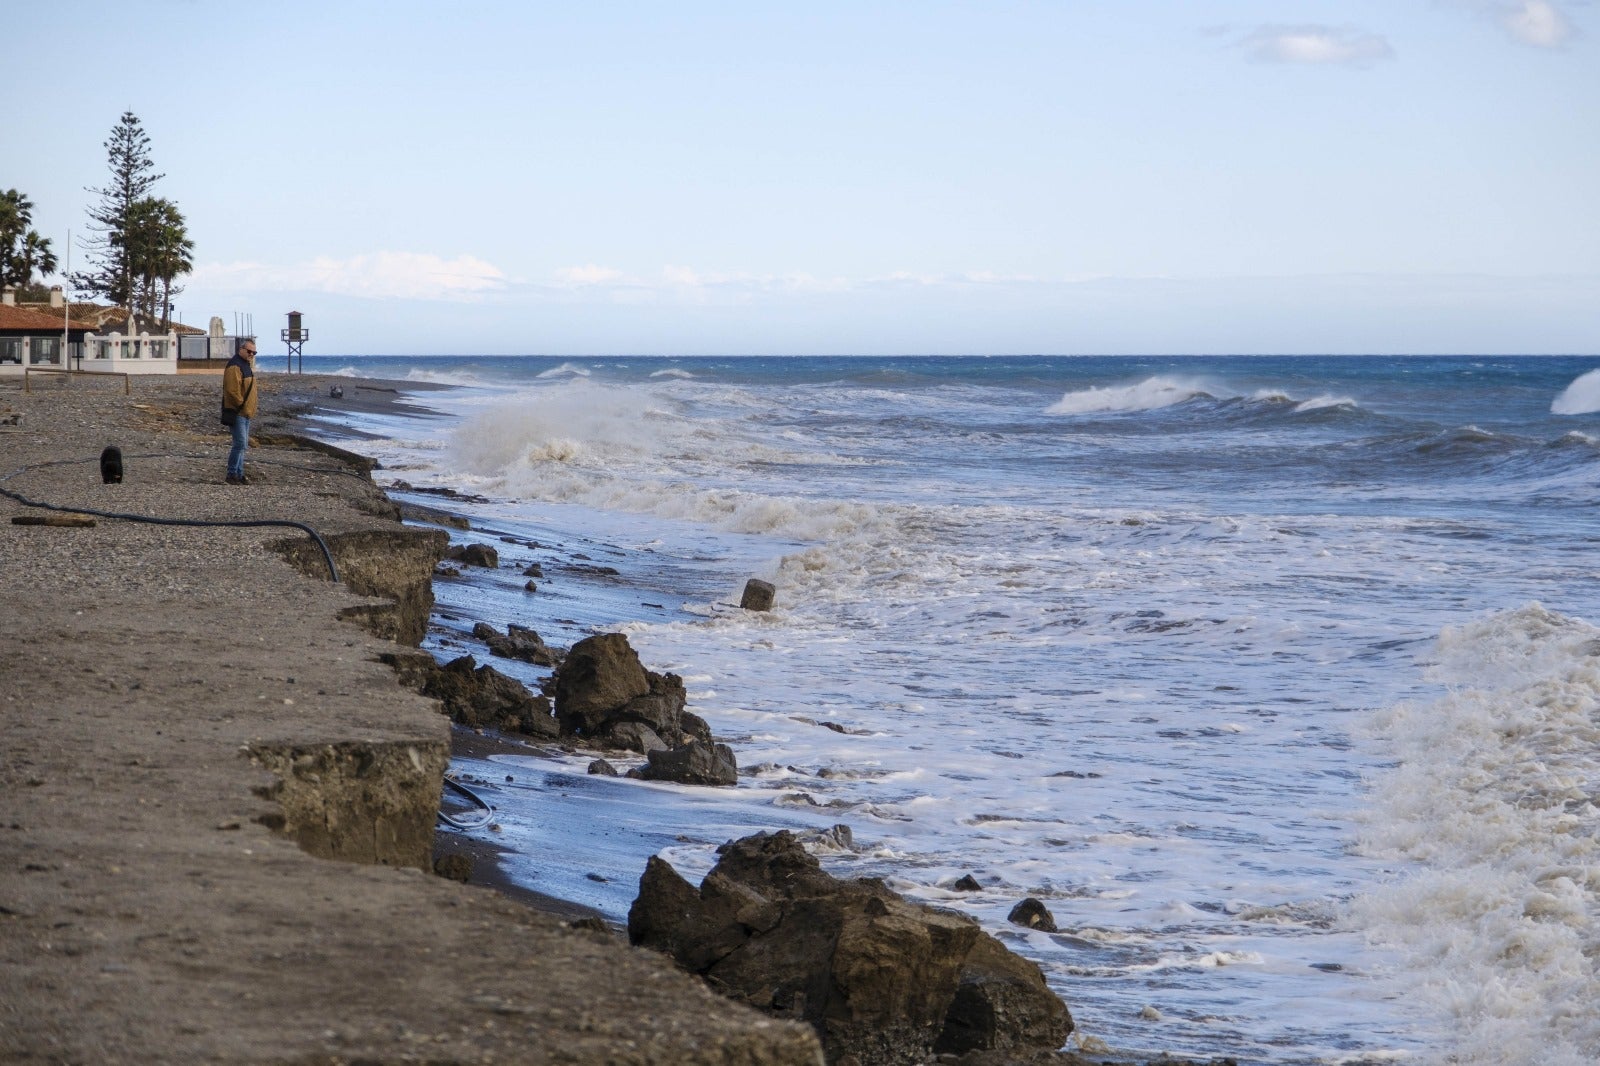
758,595
1032,914
968,883
606,696
630,736
602,768
692,763
599,677
474,555
693,726
455,867
881,979
482,696
517,642
1001,1003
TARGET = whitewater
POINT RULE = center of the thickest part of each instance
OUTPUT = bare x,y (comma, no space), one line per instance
1276,679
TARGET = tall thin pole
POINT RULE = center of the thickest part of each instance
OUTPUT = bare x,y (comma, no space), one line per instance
66,311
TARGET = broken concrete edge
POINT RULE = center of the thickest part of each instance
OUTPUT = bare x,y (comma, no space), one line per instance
364,801
370,802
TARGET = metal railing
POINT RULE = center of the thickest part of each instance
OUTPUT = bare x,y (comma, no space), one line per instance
28,372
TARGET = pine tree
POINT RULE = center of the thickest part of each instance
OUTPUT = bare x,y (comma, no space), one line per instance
112,269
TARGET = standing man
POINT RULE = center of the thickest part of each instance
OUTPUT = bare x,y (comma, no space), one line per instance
239,405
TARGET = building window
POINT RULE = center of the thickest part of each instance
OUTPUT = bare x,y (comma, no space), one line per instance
158,349
10,350
46,350
102,349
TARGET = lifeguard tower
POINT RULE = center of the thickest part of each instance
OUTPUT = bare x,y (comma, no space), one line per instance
295,336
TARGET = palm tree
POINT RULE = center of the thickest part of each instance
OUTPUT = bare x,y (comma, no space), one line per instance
22,250
16,214
35,254
158,251
174,254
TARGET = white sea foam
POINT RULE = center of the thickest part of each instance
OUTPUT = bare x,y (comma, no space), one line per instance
1317,403
444,377
565,370
632,450
1582,397
581,422
1495,795
1148,395
1162,391
673,372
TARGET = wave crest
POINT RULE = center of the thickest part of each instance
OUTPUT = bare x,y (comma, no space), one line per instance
1582,397
1148,395
565,370
1160,391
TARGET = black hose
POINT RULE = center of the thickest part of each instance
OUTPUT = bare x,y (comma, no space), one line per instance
333,569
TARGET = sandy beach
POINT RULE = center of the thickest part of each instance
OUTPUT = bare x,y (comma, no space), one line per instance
185,709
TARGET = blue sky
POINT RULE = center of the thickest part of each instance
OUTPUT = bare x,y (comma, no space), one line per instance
1077,176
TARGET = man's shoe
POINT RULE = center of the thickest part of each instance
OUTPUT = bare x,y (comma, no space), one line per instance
237,480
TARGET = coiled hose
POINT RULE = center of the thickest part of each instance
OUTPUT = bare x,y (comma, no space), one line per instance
488,811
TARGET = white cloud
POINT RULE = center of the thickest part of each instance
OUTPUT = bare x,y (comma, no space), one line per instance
1316,46
1536,22
375,275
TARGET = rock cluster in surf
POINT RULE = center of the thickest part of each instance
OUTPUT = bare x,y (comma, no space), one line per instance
603,698
881,979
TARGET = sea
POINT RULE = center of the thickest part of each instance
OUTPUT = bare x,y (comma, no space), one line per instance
1277,680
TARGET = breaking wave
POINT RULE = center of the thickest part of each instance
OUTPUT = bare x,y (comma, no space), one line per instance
1159,392
565,370
1582,397
1495,799
1148,395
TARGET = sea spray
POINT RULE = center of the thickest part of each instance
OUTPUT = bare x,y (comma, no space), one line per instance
1582,397
1495,797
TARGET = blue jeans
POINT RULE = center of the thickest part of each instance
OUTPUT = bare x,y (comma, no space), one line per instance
241,441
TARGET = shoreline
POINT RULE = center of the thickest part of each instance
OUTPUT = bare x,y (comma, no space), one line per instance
183,708
491,866
175,917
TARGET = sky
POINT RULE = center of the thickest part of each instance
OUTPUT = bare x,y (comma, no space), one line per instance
845,176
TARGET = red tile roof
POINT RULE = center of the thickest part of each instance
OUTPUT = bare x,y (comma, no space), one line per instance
26,319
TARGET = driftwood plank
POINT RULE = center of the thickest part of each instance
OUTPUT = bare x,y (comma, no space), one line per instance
71,521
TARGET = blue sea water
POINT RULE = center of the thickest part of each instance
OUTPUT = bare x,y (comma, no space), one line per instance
1274,678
